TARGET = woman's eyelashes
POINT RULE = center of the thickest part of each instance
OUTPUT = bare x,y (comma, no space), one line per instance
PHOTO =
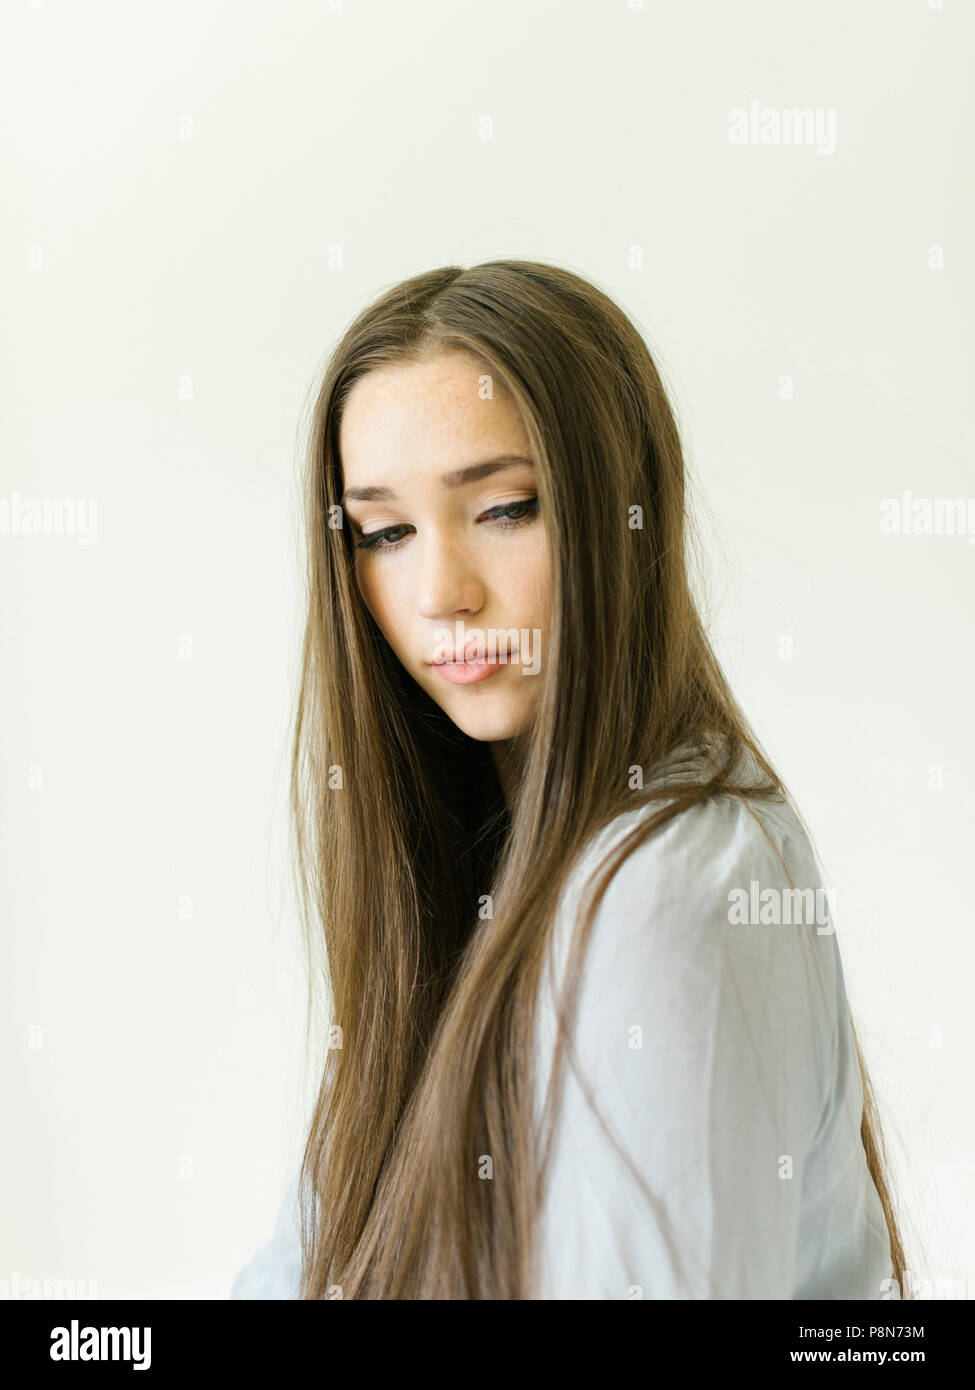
504,516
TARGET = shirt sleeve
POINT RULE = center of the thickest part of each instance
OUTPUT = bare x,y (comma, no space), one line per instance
717,1051
274,1270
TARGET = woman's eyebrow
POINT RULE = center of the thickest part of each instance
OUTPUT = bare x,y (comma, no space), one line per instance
457,477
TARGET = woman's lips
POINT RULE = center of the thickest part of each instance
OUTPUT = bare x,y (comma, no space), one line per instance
467,672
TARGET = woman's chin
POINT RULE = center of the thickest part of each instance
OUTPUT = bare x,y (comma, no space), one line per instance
490,722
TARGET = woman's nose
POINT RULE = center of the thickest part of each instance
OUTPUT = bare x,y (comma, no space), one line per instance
447,581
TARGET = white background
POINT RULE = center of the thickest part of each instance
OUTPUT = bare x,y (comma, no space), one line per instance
199,197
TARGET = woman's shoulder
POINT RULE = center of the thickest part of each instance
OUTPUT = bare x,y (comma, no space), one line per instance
729,857
712,1033
714,947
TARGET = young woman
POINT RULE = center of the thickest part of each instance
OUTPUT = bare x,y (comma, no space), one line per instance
589,1031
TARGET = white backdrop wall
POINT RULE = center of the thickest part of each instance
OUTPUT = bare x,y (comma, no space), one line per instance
199,196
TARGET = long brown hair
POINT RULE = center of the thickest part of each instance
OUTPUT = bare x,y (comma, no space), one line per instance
401,827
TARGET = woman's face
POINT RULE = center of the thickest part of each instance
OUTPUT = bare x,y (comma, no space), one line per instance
451,556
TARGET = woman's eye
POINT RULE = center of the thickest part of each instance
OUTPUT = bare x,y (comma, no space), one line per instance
514,513
507,514
378,540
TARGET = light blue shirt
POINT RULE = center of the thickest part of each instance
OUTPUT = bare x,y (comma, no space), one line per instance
713,1033
274,1270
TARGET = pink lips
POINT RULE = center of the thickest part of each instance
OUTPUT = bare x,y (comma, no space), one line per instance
477,668
467,672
